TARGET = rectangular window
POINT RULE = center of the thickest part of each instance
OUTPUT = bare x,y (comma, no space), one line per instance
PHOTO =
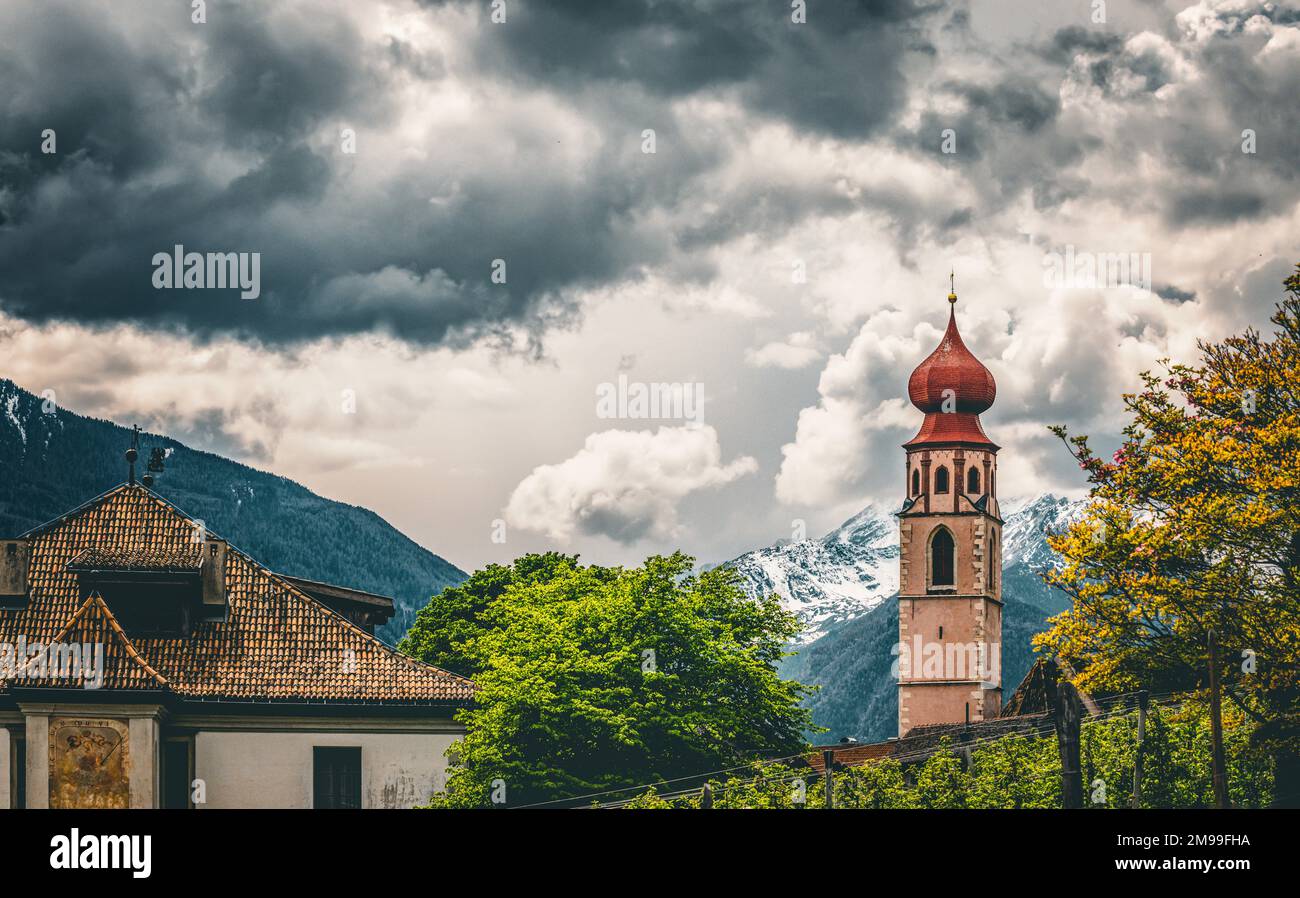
177,774
18,780
336,777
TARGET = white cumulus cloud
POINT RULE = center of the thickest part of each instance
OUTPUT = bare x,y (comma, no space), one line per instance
797,351
624,485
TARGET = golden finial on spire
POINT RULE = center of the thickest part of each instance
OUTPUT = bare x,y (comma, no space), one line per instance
952,286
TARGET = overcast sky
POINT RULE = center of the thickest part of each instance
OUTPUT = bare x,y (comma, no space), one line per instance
786,245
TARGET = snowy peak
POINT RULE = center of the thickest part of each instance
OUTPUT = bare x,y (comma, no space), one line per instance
840,576
868,529
1025,530
27,422
854,568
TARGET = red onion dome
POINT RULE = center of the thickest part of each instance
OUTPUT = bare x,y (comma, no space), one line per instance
952,367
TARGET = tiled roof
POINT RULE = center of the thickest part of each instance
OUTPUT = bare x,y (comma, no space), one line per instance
941,428
925,739
117,558
849,755
952,387
95,625
952,372
921,742
276,643
1033,695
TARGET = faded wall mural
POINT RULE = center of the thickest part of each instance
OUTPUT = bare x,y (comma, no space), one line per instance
90,763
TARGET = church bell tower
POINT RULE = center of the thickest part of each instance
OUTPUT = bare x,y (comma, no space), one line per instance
950,546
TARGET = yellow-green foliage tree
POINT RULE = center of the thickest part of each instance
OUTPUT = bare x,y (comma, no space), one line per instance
1194,525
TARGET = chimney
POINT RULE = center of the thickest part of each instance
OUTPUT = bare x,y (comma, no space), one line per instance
213,575
15,556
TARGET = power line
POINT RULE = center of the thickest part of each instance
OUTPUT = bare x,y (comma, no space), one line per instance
1042,731
1167,699
643,786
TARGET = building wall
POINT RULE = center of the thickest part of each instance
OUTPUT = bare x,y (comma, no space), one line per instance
924,703
262,769
91,755
965,617
962,618
6,769
976,561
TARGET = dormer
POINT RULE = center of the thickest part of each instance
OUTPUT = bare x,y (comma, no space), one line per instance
156,591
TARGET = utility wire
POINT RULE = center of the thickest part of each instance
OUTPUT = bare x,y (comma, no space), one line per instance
1160,700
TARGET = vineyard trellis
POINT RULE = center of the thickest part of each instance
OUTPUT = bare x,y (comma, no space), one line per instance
963,759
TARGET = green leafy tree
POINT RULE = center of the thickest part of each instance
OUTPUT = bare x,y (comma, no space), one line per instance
876,786
454,618
1194,525
941,782
1016,772
593,679
768,787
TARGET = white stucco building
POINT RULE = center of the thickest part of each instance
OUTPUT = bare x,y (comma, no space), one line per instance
147,663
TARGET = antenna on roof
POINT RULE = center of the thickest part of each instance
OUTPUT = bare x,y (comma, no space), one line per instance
134,452
156,457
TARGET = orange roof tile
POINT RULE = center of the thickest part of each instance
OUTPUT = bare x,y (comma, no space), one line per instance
95,625
849,754
275,644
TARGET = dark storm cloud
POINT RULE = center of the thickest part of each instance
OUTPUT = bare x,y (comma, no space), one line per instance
1215,205
222,138
1007,137
1194,136
1017,102
1067,42
143,103
1175,294
1241,89
1177,109
837,72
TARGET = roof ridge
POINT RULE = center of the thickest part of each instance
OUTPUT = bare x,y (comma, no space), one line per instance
78,509
95,602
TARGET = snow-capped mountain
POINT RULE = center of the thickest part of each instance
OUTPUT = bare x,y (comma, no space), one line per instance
842,587
854,568
1027,523
826,581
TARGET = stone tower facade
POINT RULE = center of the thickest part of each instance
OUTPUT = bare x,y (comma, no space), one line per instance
950,538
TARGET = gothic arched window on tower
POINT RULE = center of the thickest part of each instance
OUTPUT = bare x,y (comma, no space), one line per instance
916,483
973,481
942,550
941,480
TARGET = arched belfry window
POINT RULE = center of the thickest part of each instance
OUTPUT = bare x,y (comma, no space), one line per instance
941,480
973,481
942,551
916,483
